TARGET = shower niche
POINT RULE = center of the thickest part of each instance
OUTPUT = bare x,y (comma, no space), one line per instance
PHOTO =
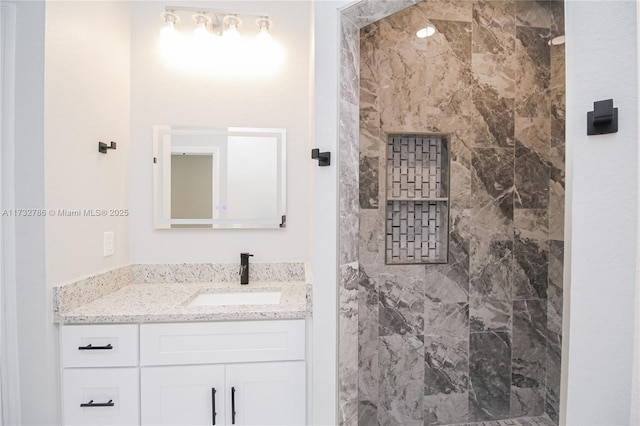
417,199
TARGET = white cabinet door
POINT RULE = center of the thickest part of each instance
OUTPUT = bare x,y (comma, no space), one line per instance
185,395
100,396
270,393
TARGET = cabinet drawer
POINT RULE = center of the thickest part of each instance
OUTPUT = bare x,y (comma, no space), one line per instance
110,396
99,345
221,342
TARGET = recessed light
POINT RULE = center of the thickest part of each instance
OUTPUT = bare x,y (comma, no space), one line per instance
426,32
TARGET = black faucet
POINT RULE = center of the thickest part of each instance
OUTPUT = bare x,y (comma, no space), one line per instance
244,268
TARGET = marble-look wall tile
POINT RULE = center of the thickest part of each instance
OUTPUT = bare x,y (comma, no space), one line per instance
446,409
492,192
527,402
531,253
449,283
368,371
448,69
401,305
448,10
446,364
555,289
528,357
493,67
552,400
368,11
401,380
348,347
349,193
532,72
557,17
369,179
533,13
531,178
557,93
490,376
490,287
349,62
446,319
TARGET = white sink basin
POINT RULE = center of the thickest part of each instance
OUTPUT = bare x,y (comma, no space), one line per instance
236,298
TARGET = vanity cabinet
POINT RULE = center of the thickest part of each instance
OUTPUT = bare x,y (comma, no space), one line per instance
248,373
100,374
270,393
221,373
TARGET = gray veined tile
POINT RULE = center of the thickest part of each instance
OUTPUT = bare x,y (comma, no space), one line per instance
368,371
446,365
446,409
349,196
446,319
532,71
489,314
555,289
527,402
552,401
494,117
531,274
529,342
491,269
348,343
449,283
401,380
369,179
349,62
401,306
533,13
490,376
531,177
447,62
492,186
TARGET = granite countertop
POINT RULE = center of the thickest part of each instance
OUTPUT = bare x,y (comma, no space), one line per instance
167,302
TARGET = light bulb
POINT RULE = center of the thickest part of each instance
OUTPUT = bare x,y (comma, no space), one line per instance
428,31
231,33
264,36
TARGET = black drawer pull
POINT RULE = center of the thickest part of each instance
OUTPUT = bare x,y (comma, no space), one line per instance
95,348
233,406
110,403
213,405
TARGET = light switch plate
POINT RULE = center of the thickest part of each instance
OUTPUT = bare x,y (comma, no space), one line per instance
108,243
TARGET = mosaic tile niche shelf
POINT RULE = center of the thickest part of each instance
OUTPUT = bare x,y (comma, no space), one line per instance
417,212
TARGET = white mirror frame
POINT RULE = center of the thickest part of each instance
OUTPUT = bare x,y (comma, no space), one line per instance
162,150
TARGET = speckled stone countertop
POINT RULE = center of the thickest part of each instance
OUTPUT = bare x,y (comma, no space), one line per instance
137,303
132,300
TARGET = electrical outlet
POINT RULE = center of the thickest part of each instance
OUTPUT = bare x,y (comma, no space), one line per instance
108,243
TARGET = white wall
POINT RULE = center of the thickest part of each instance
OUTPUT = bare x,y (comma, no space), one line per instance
161,95
36,342
602,63
326,215
86,101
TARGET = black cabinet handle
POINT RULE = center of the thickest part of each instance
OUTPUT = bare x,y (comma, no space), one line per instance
90,347
110,403
233,405
213,405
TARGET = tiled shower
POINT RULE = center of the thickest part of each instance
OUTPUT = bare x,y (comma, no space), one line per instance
451,298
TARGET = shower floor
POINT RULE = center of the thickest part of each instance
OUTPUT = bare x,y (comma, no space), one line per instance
523,421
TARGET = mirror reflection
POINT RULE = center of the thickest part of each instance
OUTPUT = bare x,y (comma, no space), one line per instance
219,178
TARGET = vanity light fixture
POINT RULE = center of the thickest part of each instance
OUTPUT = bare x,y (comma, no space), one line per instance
264,24
231,24
427,31
219,43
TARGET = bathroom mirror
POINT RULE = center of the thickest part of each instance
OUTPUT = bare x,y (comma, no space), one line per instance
219,177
